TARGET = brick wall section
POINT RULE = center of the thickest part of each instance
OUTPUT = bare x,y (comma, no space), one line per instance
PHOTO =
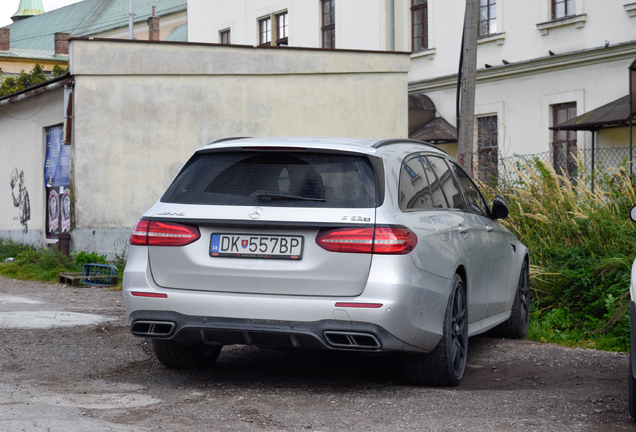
153,30
61,43
5,39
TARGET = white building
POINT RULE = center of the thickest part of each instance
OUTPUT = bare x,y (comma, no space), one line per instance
539,63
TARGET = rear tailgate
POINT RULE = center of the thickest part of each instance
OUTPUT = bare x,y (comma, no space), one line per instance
258,211
265,257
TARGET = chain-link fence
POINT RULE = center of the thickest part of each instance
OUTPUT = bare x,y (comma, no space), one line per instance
604,159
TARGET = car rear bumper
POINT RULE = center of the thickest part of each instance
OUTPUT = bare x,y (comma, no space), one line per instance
325,334
401,309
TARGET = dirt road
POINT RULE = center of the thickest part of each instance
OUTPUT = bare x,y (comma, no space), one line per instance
69,364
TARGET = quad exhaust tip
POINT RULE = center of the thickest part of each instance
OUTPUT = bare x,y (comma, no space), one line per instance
152,328
342,339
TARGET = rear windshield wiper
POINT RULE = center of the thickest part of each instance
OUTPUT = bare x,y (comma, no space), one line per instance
283,197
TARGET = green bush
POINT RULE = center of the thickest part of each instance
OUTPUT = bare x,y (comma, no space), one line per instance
44,264
11,250
582,245
82,257
12,84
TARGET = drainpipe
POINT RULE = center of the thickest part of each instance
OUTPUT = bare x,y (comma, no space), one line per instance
130,20
392,24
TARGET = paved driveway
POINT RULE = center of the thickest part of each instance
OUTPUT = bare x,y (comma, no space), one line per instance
69,364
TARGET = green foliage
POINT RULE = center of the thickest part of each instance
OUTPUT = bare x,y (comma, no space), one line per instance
59,70
44,264
10,250
80,258
582,245
12,84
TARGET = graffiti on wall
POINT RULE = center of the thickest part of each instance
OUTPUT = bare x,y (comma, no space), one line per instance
21,197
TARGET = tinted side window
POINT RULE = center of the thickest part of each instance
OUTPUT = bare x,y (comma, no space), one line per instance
269,178
476,201
447,183
415,190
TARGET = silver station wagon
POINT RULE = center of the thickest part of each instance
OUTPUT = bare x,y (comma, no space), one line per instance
325,243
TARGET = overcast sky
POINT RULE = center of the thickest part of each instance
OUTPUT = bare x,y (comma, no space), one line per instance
9,7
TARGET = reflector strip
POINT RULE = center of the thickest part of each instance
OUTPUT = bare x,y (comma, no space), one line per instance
147,294
360,305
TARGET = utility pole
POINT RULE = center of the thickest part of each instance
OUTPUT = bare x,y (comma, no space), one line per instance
466,87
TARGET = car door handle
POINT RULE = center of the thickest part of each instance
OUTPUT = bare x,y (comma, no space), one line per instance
462,229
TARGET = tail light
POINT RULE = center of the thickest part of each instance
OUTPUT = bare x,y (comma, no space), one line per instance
153,233
380,240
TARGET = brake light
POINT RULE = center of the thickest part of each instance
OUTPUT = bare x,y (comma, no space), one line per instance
154,233
380,240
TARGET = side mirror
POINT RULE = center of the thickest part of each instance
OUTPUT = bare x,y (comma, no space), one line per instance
632,214
500,208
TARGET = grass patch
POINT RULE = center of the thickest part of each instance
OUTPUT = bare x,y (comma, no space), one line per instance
44,264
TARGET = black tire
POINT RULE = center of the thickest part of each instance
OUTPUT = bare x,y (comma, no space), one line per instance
631,388
444,366
516,327
176,355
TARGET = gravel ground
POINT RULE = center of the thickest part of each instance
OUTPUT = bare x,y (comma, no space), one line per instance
96,376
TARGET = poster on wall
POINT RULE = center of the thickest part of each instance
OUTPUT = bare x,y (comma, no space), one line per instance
57,166
57,179
58,210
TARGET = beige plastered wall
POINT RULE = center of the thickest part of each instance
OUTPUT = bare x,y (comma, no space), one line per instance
141,109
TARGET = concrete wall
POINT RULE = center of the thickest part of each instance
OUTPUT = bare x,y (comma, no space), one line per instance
141,109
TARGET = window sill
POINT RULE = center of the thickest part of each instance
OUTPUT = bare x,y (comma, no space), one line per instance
630,8
495,37
576,20
427,53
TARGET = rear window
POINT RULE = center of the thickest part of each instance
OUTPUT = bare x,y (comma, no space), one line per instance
275,178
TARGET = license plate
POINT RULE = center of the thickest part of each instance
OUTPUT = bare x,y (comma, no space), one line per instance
256,246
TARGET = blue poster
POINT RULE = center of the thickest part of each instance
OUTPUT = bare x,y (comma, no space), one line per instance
57,166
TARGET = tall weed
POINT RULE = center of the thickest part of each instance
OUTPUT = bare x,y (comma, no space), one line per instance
582,245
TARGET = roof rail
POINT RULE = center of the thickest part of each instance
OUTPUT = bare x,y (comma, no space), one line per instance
226,139
386,142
